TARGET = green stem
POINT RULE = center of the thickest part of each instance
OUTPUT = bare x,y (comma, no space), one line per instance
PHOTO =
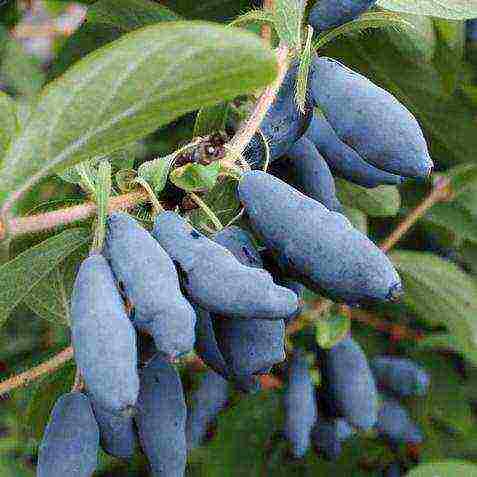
218,225
158,209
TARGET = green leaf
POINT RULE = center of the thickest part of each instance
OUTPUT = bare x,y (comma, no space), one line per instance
463,178
447,342
129,15
288,21
25,271
211,120
129,88
417,43
87,38
382,201
195,177
9,123
254,16
330,330
102,194
450,468
458,221
211,10
44,396
155,172
358,219
440,293
451,9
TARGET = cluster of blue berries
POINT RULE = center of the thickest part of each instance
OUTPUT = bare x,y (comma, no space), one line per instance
230,302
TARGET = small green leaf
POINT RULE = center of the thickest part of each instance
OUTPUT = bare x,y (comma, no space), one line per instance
382,201
330,330
450,468
303,71
25,271
211,120
451,9
156,172
102,193
44,396
129,15
358,219
9,123
196,177
440,293
128,89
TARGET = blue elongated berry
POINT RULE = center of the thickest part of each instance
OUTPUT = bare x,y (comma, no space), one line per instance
399,375
71,441
118,435
471,30
393,470
344,161
369,119
327,14
283,125
394,423
161,418
151,283
207,401
208,350
240,243
328,436
300,405
248,346
216,280
319,247
312,174
103,337
348,384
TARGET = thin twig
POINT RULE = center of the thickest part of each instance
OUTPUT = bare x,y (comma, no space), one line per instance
50,220
440,192
245,133
32,374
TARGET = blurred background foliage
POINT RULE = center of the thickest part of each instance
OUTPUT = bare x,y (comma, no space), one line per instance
433,71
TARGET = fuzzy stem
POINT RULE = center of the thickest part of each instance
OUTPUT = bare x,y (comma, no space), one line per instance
50,220
440,193
245,133
47,367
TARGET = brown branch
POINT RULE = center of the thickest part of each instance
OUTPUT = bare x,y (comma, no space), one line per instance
440,193
50,220
32,374
245,133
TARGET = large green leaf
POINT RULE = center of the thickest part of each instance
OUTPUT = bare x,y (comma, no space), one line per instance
130,87
451,468
129,14
440,293
9,124
27,270
452,9
382,201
